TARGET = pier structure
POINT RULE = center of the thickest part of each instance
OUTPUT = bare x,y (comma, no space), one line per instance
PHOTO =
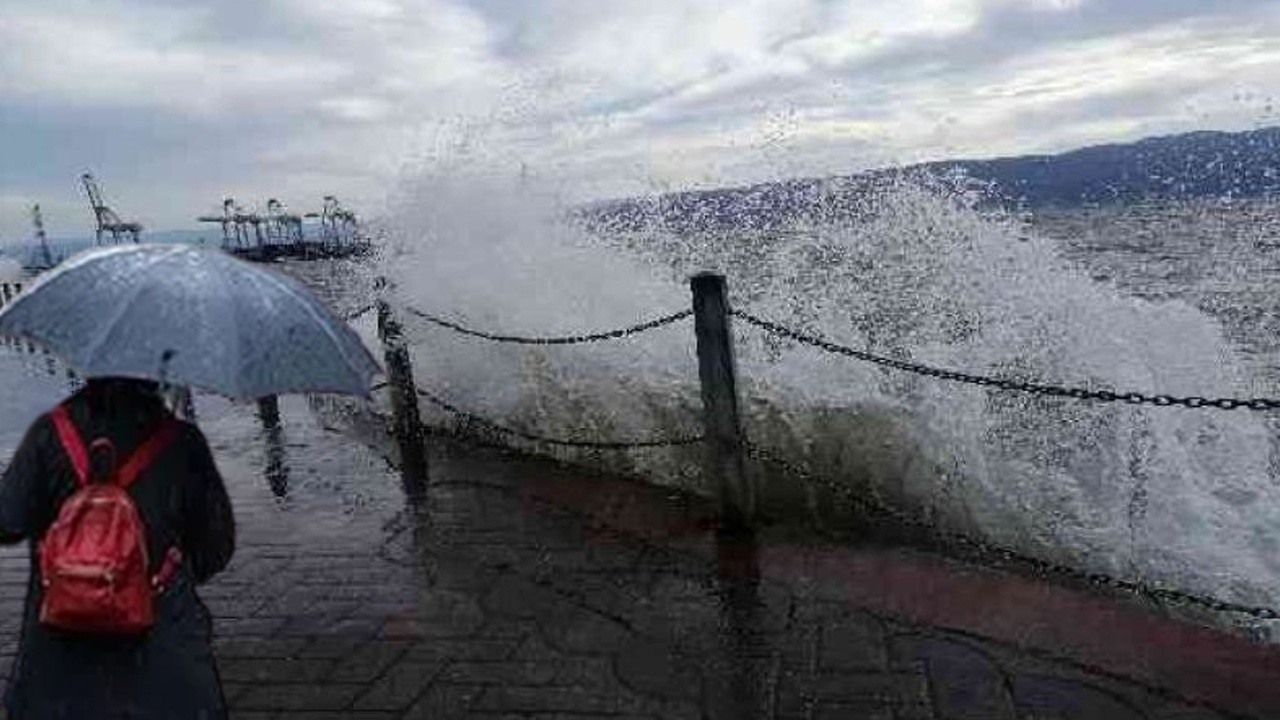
281,234
108,222
283,230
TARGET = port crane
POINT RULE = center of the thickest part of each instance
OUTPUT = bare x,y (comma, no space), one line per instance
235,224
107,219
336,224
280,233
283,228
45,256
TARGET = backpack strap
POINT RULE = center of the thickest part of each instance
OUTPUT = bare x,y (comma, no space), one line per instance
147,452
72,444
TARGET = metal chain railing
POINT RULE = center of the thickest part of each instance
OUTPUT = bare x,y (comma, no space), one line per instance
874,505
505,430
566,340
1134,398
359,312
869,502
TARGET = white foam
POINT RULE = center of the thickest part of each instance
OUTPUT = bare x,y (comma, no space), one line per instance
1171,496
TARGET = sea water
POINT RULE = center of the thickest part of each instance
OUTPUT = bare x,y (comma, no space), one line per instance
1159,298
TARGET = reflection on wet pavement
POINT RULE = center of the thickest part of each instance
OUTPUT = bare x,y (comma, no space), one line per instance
276,471
523,589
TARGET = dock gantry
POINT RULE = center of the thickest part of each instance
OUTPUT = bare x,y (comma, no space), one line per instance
284,230
43,254
108,221
279,233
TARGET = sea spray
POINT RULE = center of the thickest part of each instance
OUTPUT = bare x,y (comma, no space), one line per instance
907,268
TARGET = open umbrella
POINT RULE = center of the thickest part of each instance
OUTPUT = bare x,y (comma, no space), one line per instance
188,316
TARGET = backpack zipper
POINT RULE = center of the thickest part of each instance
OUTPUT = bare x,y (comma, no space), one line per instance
86,572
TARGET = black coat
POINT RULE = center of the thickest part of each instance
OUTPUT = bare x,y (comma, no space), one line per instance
169,672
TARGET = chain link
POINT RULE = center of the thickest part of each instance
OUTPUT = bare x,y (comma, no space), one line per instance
875,505
870,501
1132,398
567,340
496,427
357,313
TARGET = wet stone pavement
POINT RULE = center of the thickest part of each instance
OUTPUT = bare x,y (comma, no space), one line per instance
523,590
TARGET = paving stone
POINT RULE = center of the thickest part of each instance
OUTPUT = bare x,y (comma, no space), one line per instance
381,609
586,633
328,626
576,670
338,715
504,628
232,690
372,593
440,613
248,627
294,602
239,607
399,686
552,699
433,650
652,668
965,683
239,647
286,670
327,647
298,696
515,596
853,643
442,702
368,661
504,672
1050,698
851,711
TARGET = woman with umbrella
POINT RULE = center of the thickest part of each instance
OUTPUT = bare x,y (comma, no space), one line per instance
169,671
130,318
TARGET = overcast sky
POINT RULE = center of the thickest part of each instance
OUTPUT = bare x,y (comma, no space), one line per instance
174,104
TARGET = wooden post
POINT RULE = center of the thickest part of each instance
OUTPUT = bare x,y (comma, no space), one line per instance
180,400
721,424
269,411
188,405
406,424
276,472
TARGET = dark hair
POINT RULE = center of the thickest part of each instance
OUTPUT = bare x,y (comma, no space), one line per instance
119,402
122,386
109,395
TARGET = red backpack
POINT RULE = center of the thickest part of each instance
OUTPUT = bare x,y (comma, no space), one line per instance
93,559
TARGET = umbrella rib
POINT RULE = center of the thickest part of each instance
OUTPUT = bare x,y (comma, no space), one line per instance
111,326
288,292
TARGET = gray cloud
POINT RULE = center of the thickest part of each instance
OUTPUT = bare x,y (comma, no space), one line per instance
175,102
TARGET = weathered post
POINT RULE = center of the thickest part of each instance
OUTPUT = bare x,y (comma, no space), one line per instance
276,472
406,424
739,690
180,401
722,427
269,411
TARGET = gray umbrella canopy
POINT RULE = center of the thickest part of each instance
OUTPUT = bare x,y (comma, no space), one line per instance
190,316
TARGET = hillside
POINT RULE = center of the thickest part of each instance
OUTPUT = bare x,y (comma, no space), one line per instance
1191,165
